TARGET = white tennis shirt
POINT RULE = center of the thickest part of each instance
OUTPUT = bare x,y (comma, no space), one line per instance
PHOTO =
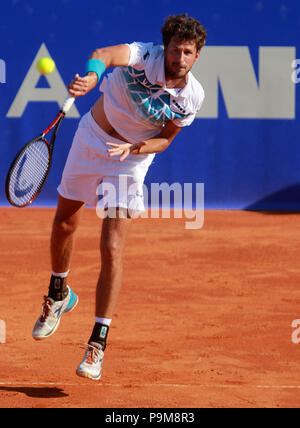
137,102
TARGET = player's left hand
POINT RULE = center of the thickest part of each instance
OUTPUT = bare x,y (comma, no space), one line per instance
124,150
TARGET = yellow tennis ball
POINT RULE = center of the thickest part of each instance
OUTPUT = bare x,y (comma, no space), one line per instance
45,65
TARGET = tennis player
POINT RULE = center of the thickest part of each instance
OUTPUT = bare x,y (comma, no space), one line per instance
150,96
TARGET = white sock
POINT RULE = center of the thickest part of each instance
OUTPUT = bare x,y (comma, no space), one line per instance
105,321
61,275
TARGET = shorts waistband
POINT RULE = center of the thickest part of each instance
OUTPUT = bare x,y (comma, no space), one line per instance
88,119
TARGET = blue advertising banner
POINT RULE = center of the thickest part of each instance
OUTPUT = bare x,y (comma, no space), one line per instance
244,144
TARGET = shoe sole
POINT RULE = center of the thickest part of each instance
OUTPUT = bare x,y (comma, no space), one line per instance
58,321
86,375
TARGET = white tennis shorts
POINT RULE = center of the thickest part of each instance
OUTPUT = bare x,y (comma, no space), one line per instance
92,177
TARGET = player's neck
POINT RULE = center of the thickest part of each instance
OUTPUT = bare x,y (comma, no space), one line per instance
176,83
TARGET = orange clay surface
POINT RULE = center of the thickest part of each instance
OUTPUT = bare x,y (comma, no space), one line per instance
204,318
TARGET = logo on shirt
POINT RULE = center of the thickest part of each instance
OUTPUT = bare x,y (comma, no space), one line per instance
178,106
146,55
19,190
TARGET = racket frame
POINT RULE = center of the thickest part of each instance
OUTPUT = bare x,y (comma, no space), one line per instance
55,124
50,146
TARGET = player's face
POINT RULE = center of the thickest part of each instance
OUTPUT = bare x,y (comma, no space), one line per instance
180,56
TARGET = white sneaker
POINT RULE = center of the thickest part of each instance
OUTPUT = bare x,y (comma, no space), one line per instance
91,365
49,321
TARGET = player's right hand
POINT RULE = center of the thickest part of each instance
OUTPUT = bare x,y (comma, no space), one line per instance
80,86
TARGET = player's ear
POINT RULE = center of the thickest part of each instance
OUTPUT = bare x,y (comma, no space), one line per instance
197,55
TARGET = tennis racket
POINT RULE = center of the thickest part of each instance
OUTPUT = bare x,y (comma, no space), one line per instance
29,170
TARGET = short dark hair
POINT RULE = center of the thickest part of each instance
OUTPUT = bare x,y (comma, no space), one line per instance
184,28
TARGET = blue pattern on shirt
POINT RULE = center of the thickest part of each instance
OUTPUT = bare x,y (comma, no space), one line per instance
150,100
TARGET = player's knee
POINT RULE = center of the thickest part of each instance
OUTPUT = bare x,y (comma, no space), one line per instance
111,251
64,227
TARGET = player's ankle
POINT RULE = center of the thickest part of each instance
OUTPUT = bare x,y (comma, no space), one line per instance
99,334
58,289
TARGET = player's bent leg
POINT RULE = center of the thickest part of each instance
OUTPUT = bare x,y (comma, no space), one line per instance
65,224
61,298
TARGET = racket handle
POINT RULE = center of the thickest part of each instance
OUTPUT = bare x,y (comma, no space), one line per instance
67,104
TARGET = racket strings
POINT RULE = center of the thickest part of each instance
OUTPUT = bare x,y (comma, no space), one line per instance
28,173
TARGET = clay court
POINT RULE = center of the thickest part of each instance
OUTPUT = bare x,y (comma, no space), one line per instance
204,318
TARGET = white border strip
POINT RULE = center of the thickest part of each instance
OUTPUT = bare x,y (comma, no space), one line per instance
147,385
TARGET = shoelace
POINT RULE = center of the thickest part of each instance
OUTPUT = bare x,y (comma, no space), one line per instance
94,353
47,309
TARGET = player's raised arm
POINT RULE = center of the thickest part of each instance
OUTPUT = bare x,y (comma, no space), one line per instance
113,56
100,59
